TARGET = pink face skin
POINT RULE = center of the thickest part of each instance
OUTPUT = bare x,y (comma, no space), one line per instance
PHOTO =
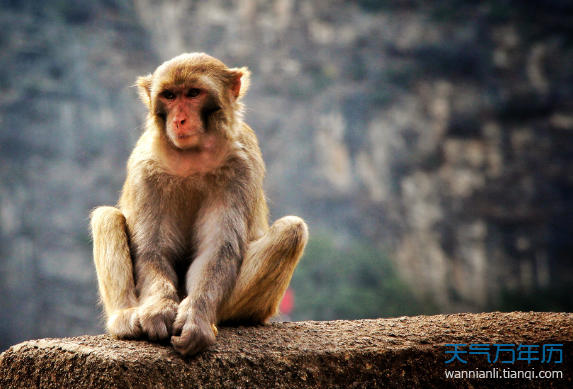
184,126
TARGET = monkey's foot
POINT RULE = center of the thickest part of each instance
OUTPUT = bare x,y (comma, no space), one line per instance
157,317
124,324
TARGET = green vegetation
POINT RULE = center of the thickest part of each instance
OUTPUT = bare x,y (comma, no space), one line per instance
356,281
551,299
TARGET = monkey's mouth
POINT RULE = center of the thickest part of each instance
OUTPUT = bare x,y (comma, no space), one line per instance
187,134
186,139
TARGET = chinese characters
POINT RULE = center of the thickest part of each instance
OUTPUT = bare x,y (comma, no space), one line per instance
506,353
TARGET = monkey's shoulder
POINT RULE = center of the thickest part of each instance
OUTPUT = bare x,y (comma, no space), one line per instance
250,147
248,137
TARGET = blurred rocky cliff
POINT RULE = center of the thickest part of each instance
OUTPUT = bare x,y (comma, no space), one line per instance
442,132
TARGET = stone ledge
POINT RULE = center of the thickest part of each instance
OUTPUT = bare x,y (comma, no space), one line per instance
401,352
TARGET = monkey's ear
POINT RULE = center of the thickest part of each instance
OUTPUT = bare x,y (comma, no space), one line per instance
144,89
241,79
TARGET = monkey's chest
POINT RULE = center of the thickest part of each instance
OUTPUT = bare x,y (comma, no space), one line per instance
178,222
168,213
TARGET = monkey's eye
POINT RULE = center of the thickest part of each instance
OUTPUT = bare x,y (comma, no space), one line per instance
169,95
193,92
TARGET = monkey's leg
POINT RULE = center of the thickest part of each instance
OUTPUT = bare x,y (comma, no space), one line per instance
115,272
266,272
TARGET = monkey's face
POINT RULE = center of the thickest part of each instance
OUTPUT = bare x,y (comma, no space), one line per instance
192,99
185,111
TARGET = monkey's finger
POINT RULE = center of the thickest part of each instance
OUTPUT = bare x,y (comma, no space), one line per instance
152,334
157,331
168,322
177,327
162,331
187,345
183,344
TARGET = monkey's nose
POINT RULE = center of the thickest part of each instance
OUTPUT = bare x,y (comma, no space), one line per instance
179,122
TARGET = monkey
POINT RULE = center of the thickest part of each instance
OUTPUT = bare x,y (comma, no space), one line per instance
188,246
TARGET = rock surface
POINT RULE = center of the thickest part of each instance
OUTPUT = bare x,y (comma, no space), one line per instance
401,352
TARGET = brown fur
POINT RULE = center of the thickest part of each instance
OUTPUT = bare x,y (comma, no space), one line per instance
189,244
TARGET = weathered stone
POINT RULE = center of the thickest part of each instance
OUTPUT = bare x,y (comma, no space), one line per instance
401,352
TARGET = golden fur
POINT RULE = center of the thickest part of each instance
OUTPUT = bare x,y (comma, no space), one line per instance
189,244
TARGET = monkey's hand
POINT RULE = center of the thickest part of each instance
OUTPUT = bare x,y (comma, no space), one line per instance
192,333
156,317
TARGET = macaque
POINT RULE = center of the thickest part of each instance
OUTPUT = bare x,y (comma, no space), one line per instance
189,245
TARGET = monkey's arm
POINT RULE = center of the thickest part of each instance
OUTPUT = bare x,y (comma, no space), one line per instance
156,282
222,232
